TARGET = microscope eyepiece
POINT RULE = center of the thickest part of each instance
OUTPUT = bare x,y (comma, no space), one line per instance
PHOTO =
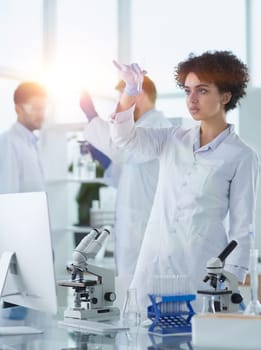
229,248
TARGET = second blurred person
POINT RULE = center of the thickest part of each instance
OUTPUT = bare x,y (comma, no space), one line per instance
136,183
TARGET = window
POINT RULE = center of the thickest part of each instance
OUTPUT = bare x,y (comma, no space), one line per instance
256,48
164,33
86,46
21,34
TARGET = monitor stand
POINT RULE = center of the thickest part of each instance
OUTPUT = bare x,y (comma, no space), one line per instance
7,262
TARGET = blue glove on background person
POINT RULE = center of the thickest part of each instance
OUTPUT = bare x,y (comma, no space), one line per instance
98,155
133,77
87,106
88,109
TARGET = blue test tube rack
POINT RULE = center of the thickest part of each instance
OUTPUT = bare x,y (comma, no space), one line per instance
170,314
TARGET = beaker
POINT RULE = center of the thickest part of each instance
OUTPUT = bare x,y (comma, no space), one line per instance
131,313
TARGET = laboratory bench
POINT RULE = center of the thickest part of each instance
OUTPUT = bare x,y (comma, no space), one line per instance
57,337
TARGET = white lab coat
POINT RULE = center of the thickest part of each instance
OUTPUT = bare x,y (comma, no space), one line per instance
136,188
196,190
20,166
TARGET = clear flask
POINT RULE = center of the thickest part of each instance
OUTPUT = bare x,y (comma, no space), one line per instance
131,313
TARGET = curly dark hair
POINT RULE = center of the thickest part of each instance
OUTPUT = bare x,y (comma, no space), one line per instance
221,68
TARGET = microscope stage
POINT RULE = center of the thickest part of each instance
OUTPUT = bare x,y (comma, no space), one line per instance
214,292
76,284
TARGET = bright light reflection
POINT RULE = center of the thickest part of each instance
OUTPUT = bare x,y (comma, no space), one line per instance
62,80
65,83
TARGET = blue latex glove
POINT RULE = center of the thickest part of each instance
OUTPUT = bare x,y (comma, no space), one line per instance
98,155
87,106
133,77
86,147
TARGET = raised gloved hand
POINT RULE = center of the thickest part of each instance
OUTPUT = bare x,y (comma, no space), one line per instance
133,77
87,106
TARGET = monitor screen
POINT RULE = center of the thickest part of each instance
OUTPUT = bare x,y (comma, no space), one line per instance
25,234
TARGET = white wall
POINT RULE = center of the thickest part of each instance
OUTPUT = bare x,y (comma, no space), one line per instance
250,131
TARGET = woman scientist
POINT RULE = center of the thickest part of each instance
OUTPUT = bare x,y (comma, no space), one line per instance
207,173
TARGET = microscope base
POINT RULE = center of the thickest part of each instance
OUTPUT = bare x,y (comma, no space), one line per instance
100,313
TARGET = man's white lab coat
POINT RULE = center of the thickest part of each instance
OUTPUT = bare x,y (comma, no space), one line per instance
136,189
20,166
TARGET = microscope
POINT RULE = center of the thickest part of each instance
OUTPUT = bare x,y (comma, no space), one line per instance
225,284
94,290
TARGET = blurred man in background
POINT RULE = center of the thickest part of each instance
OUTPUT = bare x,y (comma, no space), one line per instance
20,166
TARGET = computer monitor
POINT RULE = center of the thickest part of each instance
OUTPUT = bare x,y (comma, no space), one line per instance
27,275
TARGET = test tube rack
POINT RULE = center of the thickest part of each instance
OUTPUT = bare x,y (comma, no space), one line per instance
170,314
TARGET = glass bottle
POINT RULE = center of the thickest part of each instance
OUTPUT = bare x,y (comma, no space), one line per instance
254,306
86,165
131,313
77,162
90,167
